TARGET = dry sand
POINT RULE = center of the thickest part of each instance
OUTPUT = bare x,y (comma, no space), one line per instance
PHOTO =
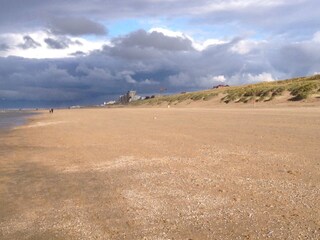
162,174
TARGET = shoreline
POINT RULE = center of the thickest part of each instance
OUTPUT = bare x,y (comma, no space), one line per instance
15,119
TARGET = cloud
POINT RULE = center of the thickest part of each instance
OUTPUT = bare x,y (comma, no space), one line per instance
55,44
61,42
76,26
280,17
47,45
215,41
149,82
157,40
29,42
4,47
262,77
78,53
290,18
147,62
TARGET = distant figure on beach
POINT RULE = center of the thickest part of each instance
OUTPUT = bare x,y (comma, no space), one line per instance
51,110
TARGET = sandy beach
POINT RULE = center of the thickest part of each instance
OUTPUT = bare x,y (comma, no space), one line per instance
158,173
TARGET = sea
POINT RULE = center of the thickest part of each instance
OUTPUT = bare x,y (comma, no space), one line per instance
13,118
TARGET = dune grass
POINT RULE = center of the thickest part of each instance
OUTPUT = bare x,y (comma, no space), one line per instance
300,89
259,93
178,98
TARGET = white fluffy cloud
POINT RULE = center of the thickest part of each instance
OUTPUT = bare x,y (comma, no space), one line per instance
42,47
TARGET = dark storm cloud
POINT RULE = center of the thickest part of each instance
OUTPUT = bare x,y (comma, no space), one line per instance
76,26
130,65
45,10
78,53
297,59
29,42
55,44
60,42
276,17
157,40
4,47
295,18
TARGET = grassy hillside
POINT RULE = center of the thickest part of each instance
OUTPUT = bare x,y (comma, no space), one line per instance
299,89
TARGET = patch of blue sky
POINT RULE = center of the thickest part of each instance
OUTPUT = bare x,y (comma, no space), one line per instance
216,31
121,27
125,26
94,38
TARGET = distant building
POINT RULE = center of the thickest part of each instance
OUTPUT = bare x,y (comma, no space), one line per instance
75,107
220,86
109,103
148,97
129,97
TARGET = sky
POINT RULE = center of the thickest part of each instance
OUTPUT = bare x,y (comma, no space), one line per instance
79,52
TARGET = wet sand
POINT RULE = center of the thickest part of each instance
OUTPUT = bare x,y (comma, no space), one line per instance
162,173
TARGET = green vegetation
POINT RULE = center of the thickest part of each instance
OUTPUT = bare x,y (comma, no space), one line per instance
303,91
178,98
299,88
260,92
